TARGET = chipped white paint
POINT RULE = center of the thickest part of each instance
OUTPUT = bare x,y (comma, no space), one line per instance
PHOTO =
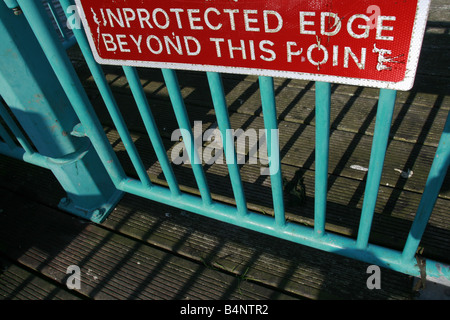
94,15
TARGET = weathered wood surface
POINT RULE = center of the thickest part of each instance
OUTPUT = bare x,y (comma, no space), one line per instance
416,128
150,250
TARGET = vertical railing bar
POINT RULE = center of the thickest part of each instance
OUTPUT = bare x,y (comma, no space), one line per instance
273,150
150,125
430,194
20,154
223,121
111,105
181,115
368,207
15,130
323,101
71,84
386,103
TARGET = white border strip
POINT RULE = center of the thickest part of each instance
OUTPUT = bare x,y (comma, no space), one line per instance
404,85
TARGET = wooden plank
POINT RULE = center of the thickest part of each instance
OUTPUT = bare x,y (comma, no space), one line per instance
353,114
49,241
394,211
428,88
112,266
17,283
349,112
438,11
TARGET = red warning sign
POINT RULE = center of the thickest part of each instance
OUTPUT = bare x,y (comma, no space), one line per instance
368,42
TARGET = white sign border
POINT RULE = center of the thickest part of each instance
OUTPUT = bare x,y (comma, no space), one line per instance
406,84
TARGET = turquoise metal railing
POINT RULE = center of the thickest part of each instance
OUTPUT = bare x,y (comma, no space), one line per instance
186,131
317,237
273,150
37,100
323,102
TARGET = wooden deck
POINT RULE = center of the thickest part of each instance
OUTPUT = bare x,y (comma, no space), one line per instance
148,250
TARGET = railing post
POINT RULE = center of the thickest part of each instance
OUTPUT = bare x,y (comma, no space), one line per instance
36,98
